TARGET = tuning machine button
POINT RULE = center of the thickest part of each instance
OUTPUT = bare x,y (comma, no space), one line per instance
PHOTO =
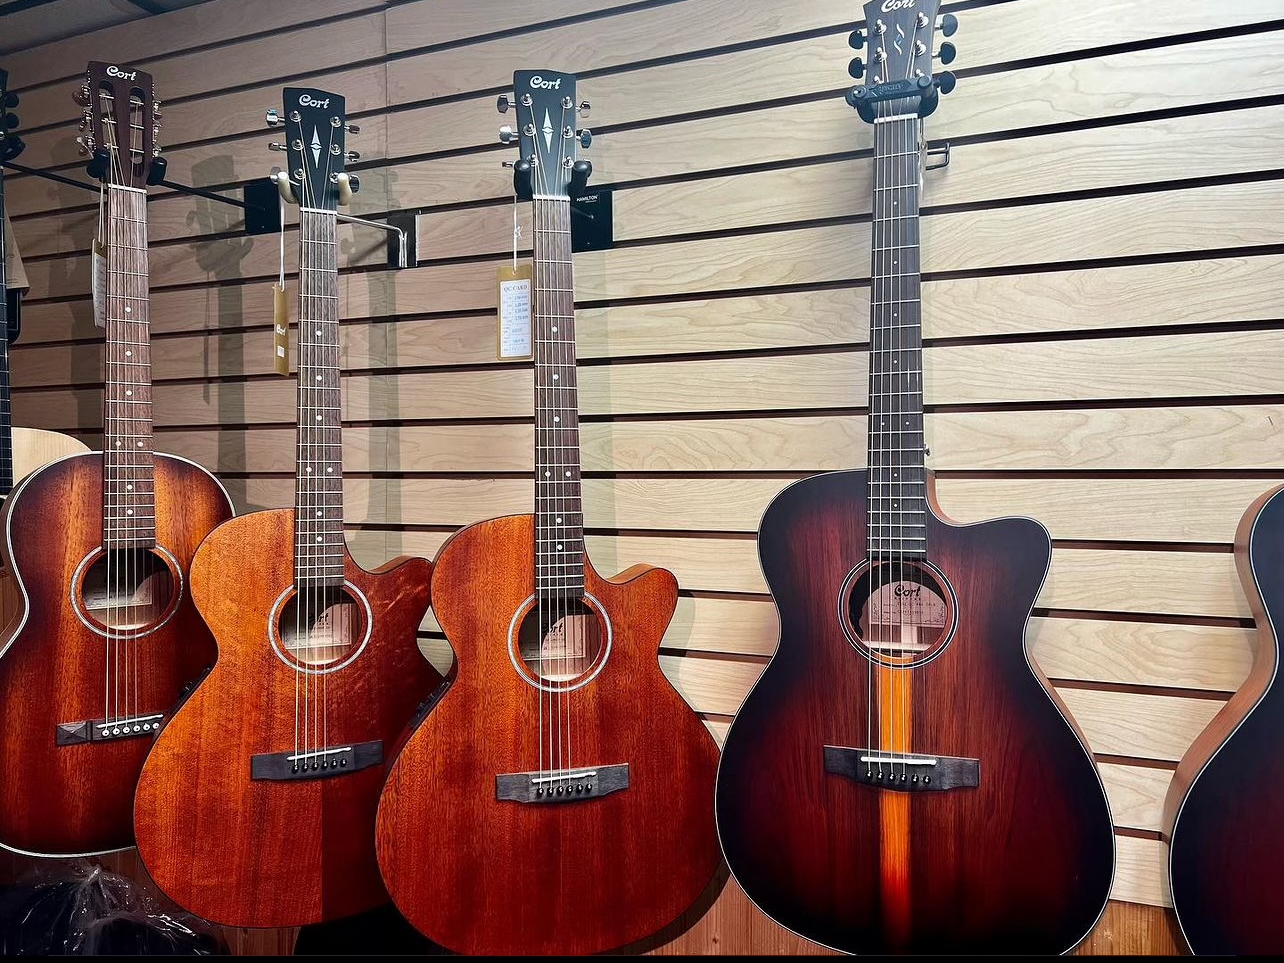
949,24
352,128
352,156
502,103
81,95
272,117
947,53
945,81
584,109
507,135
279,147
11,99
856,68
10,121
585,136
856,40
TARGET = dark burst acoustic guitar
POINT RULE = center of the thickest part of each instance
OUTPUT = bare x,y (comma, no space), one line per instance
902,779
100,545
256,807
559,797
1224,815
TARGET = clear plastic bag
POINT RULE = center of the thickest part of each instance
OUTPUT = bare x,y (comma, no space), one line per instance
77,908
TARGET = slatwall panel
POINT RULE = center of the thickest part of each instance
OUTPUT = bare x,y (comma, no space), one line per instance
1104,262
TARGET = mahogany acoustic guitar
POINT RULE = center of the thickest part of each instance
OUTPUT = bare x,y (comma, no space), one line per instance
559,797
100,544
1224,815
902,779
22,450
256,807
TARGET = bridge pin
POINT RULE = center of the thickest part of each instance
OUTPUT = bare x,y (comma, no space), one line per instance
915,779
115,732
294,768
561,790
588,788
343,762
902,777
314,767
155,725
927,779
138,728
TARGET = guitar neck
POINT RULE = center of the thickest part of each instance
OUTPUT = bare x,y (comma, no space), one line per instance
897,471
6,413
318,521
128,478
559,518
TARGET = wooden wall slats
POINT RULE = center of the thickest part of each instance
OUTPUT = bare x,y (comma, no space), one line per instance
226,20
1173,510
1141,871
1136,794
1174,293
1144,153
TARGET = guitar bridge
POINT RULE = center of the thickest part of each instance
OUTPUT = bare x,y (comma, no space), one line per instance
316,763
96,730
562,785
903,772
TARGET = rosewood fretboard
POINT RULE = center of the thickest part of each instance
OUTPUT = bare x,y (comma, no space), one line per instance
897,473
559,519
318,525
129,498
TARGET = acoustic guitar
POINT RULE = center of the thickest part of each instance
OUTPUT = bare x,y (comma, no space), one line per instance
1224,813
558,799
902,779
256,807
22,450
99,544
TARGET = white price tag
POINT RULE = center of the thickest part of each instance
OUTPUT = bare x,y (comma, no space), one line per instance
514,336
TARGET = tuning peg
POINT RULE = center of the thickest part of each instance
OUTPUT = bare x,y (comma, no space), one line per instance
507,135
352,128
352,156
10,121
280,147
949,25
945,81
502,103
81,95
585,136
354,183
11,99
581,171
272,117
84,145
856,68
947,53
584,109
857,39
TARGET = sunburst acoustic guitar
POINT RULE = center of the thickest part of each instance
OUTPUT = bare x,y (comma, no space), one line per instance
902,779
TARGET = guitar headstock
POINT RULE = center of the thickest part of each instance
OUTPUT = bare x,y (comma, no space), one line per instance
120,125
899,36
316,129
544,101
11,144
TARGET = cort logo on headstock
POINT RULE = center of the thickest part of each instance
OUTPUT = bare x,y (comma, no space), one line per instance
539,83
890,5
308,101
114,71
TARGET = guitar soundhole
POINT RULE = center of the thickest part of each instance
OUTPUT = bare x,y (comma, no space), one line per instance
127,591
899,613
561,642
321,626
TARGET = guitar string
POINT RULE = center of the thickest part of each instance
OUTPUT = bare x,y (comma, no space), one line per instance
110,460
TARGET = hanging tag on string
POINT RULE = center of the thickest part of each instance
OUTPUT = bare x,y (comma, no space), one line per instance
514,297
98,266
281,311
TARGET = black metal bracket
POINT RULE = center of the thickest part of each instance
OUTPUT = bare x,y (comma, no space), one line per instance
938,153
262,211
592,223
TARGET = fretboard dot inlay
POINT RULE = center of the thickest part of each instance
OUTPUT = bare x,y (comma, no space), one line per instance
129,392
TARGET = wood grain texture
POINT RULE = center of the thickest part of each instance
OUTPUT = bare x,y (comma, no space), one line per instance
246,852
1022,863
1224,815
67,800
593,874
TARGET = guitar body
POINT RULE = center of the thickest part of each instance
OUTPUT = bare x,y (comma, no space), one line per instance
77,798
1021,863
484,876
1224,815
32,448
246,851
